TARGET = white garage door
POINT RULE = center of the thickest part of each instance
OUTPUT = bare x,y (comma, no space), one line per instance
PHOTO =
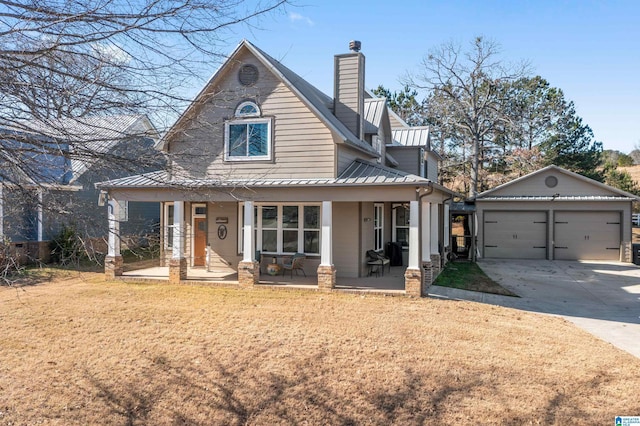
587,236
515,235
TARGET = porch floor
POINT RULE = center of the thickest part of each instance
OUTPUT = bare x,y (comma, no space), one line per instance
392,282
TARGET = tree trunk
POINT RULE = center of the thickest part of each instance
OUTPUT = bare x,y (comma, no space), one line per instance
475,163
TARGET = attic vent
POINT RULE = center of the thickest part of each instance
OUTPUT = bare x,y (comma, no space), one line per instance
248,75
551,181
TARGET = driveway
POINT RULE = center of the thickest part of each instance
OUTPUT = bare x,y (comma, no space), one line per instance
602,298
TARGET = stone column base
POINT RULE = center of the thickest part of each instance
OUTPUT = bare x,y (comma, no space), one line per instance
177,270
248,274
413,282
326,277
113,266
428,277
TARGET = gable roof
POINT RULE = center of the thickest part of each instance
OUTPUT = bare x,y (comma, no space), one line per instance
312,97
490,194
83,138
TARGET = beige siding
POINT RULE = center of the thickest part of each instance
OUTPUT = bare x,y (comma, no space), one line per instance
367,239
345,239
567,185
407,157
302,144
349,91
225,252
346,155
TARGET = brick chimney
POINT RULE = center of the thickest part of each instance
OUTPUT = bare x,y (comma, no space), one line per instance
348,90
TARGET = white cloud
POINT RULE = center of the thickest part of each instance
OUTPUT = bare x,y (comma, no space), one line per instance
294,17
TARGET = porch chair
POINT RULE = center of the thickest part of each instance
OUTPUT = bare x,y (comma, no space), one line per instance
376,262
294,263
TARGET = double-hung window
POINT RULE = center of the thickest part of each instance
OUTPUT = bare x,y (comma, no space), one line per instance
248,135
401,224
378,226
285,228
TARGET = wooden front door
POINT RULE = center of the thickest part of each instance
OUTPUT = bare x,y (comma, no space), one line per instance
199,241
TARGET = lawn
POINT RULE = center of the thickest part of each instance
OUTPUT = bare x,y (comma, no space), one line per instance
469,276
79,350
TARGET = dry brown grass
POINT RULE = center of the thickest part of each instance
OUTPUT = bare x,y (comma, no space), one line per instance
634,171
83,351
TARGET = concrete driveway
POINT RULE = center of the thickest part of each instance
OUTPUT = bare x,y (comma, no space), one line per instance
602,298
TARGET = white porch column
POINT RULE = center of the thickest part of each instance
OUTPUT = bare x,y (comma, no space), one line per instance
248,268
413,274
40,216
425,237
178,262
249,243
326,270
113,261
178,230
326,250
114,229
435,224
447,229
414,235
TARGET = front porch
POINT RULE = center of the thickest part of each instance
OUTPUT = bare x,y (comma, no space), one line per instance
392,283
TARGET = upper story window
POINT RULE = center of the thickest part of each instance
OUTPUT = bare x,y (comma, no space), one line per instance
247,109
248,136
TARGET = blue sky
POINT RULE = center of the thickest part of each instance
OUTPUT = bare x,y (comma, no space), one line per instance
590,49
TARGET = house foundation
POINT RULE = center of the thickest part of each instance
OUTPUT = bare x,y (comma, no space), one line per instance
248,274
326,277
177,270
113,266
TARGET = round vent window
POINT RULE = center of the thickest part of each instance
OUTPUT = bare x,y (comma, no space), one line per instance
248,75
551,181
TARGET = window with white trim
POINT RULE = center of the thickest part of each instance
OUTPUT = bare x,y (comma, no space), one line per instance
400,221
168,225
284,228
248,136
378,227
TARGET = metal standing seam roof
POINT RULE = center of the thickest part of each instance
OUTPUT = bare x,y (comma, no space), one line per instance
373,112
411,136
556,198
359,172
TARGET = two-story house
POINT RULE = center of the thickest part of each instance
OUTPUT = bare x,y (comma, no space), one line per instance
48,174
262,160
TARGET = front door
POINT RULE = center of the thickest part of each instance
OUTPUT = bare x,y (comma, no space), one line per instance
199,240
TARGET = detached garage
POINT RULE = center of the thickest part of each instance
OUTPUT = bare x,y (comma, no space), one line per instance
554,214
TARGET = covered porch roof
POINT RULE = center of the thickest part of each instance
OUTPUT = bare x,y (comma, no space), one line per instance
360,174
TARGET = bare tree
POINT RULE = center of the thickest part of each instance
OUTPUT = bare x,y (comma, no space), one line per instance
64,63
463,87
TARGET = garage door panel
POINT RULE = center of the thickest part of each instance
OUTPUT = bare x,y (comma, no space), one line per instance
515,235
584,235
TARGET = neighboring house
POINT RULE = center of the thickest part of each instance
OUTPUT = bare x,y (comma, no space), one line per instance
555,214
50,170
262,160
